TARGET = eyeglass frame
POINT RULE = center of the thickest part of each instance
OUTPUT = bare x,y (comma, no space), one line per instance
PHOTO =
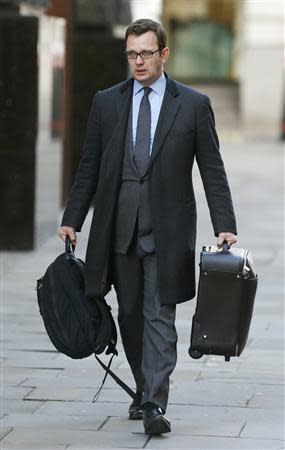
139,54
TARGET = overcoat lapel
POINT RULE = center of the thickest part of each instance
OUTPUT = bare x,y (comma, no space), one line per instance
115,146
123,102
169,109
124,98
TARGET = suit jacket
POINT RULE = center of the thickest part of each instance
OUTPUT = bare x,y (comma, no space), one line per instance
185,130
133,206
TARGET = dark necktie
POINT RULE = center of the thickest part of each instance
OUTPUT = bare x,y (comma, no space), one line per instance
142,145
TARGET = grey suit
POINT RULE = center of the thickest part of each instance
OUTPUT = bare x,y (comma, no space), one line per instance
147,327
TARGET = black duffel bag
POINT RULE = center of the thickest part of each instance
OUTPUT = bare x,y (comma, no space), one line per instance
76,324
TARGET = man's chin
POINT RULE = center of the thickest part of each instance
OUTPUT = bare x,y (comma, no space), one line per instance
142,77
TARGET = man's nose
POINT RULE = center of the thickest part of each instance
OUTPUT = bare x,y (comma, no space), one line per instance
139,60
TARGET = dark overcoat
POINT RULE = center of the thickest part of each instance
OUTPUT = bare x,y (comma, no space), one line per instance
185,131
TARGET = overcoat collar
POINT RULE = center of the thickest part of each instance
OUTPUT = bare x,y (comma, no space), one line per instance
169,108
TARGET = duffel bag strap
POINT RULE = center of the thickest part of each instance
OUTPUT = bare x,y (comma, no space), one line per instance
118,380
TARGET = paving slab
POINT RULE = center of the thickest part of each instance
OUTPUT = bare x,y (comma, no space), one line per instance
51,422
212,443
257,422
209,393
69,394
19,406
211,427
82,379
270,430
96,410
19,357
268,398
15,393
251,395
42,439
10,378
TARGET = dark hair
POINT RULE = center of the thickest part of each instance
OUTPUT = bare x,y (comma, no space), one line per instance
142,26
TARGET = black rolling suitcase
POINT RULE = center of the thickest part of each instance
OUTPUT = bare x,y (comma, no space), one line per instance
226,292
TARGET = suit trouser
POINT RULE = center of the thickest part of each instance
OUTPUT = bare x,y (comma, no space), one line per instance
147,328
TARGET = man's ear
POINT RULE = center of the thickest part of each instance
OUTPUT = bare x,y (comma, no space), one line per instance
165,54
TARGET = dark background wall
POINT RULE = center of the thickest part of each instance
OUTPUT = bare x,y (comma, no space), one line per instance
93,61
18,128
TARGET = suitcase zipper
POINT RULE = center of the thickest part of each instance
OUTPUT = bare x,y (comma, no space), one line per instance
245,269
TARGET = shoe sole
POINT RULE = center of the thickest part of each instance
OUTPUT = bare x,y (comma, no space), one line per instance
159,425
137,416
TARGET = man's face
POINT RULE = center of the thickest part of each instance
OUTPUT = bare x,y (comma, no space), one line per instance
146,71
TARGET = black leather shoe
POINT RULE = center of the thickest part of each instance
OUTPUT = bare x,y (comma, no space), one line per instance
135,409
154,420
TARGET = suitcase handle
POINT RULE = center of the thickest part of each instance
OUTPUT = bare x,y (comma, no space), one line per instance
225,248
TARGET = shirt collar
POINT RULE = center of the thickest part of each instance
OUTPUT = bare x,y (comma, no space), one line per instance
158,86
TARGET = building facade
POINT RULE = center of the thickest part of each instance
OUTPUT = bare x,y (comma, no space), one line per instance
233,50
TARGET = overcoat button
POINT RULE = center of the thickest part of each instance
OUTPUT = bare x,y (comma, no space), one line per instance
141,181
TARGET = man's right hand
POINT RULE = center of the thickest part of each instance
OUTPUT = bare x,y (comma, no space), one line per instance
68,231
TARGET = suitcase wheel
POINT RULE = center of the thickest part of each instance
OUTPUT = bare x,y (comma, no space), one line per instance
195,354
227,358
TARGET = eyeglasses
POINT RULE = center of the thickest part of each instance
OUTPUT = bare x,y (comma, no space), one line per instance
145,54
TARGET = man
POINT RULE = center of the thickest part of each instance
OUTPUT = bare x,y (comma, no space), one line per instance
142,137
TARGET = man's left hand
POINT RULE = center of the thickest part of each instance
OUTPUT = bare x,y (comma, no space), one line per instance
226,236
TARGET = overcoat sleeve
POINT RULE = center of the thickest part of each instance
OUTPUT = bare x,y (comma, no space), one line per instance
86,177
212,170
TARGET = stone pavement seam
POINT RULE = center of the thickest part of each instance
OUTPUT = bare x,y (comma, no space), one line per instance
103,423
5,433
241,430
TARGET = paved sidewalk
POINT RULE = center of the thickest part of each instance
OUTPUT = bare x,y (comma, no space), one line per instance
47,397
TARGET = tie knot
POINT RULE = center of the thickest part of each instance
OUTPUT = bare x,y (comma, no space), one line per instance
147,91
